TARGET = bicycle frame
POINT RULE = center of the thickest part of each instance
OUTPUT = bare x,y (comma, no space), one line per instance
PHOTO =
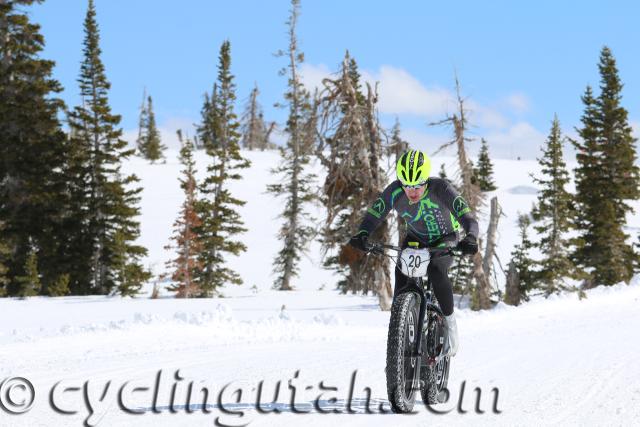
426,303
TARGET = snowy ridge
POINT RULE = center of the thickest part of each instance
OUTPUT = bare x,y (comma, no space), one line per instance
222,324
219,324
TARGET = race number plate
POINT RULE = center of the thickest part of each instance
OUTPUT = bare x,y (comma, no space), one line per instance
414,262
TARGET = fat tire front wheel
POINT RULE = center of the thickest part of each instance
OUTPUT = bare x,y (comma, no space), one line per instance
402,368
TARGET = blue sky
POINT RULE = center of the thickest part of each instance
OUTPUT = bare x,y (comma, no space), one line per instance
518,62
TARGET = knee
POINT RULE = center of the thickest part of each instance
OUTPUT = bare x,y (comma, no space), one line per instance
440,265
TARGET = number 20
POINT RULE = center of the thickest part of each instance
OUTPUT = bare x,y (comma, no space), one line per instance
414,261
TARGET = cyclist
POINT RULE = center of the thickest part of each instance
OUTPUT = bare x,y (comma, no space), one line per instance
433,212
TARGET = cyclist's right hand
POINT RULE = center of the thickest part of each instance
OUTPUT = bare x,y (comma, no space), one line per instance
361,241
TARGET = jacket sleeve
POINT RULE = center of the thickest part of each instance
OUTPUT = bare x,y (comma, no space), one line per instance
379,209
460,209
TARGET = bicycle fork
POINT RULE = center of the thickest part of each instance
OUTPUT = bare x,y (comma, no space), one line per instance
413,287
418,350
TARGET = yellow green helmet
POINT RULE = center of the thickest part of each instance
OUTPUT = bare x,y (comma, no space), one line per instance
413,168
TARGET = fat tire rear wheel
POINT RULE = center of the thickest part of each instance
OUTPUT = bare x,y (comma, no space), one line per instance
401,368
434,378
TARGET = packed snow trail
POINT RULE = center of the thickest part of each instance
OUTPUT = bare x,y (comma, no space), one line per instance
559,361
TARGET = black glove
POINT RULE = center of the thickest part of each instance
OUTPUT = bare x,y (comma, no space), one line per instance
468,245
360,241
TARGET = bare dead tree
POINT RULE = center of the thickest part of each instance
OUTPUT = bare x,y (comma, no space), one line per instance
512,294
382,277
473,195
470,191
350,150
252,127
492,230
267,135
255,131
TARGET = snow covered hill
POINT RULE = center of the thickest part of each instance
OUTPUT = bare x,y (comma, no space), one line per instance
162,197
560,361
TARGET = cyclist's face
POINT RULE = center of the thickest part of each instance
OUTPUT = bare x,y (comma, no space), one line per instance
414,194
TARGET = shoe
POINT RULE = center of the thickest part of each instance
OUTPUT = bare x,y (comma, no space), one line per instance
452,333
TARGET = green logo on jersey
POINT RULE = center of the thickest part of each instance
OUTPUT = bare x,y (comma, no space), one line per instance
378,206
460,206
427,213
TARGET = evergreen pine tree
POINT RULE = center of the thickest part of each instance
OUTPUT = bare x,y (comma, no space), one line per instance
606,178
589,188
60,287
29,284
296,183
151,147
484,172
521,259
203,130
208,131
129,273
33,152
79,246
553,213
4,254
636,249
617,136
354,75
142,124
111,198
218,210
186,267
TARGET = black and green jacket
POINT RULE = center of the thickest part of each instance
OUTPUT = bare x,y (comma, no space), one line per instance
437,215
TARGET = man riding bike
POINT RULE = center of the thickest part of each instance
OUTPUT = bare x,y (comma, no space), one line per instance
433,212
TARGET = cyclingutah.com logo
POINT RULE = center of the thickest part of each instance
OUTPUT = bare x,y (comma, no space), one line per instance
235,404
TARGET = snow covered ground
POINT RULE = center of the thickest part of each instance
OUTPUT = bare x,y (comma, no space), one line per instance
559,361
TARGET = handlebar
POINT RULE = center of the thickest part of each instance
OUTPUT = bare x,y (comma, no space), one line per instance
378,249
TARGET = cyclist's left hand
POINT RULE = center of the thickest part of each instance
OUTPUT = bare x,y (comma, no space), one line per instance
468,245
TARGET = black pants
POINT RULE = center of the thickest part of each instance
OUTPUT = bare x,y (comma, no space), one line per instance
439,277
